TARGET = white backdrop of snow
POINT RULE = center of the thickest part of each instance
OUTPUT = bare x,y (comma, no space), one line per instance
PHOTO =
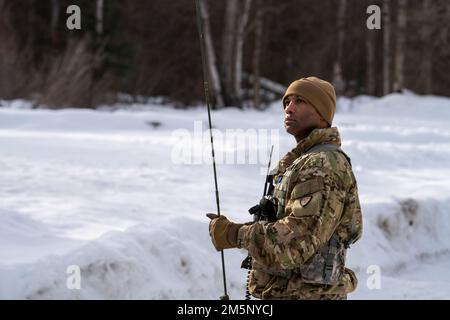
100,190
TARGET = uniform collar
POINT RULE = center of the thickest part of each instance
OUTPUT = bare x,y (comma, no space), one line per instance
317,136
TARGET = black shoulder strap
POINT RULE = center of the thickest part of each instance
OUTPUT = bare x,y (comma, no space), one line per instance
333,147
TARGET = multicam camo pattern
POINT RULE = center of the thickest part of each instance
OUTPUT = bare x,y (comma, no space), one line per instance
317,201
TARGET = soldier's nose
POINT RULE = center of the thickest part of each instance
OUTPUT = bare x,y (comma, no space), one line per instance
289,108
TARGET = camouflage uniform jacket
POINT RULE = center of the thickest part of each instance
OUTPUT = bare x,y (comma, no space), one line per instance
317,200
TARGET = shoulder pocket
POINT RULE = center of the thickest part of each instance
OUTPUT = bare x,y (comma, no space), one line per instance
307,200
308,187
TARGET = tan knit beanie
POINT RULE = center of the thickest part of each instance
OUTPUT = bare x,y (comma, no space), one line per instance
317,92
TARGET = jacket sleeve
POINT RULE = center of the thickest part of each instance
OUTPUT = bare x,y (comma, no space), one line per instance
312,213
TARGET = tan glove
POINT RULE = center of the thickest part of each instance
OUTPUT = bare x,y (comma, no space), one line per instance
223,232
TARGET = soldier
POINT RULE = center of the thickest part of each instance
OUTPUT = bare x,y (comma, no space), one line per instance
301,253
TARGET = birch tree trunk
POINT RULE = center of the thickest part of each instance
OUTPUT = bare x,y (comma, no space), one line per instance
210,56
240,51
338,79
386,46
399,82
229,51
99,17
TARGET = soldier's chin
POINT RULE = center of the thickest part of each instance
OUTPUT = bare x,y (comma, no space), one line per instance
290,129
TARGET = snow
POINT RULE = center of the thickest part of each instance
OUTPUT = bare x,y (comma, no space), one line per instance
111,192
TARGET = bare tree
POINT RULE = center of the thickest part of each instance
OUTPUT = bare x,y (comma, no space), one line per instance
338,79
228,51
99,17
370,62
447,26
240,50
256,61
386,46
55,14
399,82
445,31
428,15
82,88
234,32
211,56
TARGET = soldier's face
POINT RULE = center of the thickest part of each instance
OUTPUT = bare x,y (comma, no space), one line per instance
300,118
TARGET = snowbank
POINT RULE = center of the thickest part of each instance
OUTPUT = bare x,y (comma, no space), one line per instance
100,190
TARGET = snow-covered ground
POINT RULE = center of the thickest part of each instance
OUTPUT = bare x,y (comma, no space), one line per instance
123,195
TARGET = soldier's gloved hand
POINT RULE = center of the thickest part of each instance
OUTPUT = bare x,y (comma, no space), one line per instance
223,232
